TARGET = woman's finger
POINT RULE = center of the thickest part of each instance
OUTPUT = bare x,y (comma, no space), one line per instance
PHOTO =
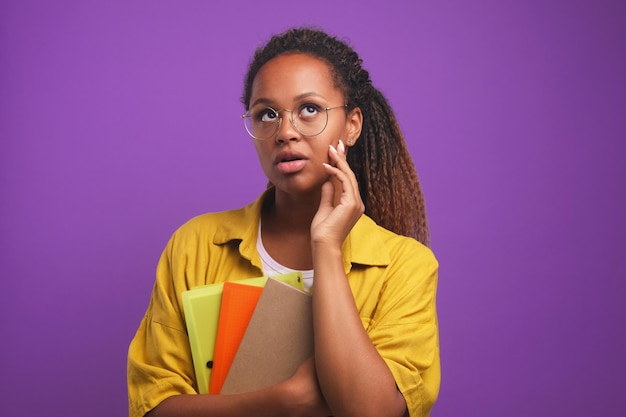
338,156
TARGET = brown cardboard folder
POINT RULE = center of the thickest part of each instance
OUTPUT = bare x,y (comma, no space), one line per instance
278,339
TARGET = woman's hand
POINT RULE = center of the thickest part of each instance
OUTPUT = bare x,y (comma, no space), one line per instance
340,204
303,392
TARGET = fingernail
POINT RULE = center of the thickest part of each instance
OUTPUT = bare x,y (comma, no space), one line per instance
332,148
342,147
326,165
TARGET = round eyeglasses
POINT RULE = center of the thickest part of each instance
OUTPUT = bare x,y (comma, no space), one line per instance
308,119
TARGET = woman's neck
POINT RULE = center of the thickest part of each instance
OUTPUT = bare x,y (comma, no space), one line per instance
291,212
286,229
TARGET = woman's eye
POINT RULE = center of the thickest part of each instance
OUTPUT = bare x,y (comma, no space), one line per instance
309,110
267,115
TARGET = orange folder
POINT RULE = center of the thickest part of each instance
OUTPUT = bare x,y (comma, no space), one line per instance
238,304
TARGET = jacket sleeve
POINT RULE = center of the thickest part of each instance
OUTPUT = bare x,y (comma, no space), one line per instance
404,327
159,357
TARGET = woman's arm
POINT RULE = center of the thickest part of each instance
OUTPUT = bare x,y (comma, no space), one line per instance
297,397
261,403
353,377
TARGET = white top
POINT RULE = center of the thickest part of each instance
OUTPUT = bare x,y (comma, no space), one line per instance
271,267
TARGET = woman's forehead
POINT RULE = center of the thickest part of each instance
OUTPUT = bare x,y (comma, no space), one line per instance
293,76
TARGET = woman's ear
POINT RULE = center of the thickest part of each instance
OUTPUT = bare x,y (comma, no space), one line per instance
354,124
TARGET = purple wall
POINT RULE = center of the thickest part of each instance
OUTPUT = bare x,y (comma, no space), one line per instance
119,120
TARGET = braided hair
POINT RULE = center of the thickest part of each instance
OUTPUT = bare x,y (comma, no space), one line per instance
388,182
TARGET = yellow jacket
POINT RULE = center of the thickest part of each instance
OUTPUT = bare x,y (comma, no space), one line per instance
393,279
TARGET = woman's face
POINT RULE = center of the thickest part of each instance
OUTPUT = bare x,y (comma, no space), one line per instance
299,82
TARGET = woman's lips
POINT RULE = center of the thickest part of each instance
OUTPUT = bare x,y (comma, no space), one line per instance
291,166
289,162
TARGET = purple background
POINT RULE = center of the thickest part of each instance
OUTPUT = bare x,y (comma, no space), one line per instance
119,120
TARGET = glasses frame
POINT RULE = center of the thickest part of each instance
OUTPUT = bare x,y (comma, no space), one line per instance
291,119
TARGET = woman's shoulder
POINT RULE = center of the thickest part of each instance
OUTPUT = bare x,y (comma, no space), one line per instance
397,246
213,218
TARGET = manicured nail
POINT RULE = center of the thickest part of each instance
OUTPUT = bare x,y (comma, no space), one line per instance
326,165
342,147
332,148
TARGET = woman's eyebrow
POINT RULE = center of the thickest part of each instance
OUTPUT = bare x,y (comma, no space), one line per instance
308,95
261,100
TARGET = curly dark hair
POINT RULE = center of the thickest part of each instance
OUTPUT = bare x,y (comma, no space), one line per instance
387,179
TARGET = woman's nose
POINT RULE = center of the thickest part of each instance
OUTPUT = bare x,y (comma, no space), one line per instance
286,130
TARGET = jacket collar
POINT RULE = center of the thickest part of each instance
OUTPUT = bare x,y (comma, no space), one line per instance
363,246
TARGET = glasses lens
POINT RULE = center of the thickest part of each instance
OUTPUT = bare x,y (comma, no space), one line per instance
310,119
261,123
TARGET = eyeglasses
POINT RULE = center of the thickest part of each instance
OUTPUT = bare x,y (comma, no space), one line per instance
308,119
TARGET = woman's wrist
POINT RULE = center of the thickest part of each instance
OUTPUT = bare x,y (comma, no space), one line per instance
324,251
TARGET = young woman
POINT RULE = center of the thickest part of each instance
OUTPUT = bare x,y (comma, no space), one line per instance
343,206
